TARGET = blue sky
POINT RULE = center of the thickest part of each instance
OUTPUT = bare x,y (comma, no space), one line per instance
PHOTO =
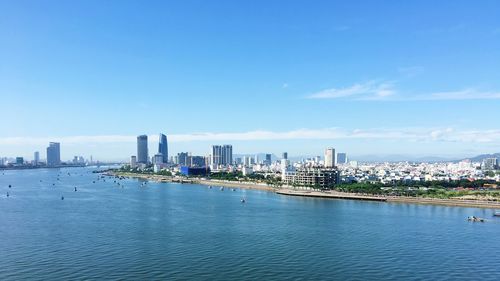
366,77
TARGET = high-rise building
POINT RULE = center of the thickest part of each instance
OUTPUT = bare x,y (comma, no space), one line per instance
247,161
341,158
36,158
489,164
133,162
183,159
285,155
268,159
158,159
163,147
198,161
330,157
54,154
222,154
227,154
142,149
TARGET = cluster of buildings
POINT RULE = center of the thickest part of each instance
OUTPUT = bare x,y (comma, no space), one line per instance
409,173
52,160
318,172
307,172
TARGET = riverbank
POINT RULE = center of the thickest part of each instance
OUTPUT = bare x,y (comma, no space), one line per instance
471,203
211,182
331,194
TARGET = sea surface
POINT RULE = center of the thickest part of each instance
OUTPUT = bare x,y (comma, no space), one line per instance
167,231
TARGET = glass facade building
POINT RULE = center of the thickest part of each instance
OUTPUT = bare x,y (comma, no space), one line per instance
142,149
163,147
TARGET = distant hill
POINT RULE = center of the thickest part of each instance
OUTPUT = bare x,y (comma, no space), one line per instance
480,158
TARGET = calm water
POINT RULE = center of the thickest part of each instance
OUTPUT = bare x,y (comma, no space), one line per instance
173,231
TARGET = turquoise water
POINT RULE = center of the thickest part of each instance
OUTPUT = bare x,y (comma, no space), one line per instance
176,232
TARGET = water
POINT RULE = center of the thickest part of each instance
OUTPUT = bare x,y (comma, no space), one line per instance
174,231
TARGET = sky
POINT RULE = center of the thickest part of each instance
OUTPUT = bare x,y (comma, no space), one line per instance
370,78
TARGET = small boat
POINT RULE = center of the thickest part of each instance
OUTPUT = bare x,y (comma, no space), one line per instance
75,188
222,188
62,197
243,200
210,187
234,189
496,214
475,219
8,194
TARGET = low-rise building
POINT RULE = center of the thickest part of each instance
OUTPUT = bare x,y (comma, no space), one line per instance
315,177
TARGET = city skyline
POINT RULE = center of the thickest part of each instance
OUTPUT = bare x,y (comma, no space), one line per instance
366,83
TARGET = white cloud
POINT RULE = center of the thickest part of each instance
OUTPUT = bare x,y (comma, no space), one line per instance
412,134
386,91
371,90
466,94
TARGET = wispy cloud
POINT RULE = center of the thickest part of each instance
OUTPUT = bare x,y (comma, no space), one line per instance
412,134
466,94
386,91
371,90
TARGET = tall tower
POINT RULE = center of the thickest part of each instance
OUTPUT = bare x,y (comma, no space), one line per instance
54,154
227,154
330,157
222,154
163,147
142,149
36,158
216,155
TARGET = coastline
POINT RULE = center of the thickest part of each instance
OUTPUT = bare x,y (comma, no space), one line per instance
470,203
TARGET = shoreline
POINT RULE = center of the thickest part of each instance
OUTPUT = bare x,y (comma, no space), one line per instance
470,203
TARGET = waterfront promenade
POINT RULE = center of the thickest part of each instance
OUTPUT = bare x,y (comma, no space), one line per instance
289,191
331,195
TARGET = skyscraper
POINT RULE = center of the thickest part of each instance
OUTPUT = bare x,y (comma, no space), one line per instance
36,158
285,155
54,154
163,147
227,154
222,154
330,157
268,159
142,149
341,158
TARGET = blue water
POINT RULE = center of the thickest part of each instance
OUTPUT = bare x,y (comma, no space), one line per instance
177,232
